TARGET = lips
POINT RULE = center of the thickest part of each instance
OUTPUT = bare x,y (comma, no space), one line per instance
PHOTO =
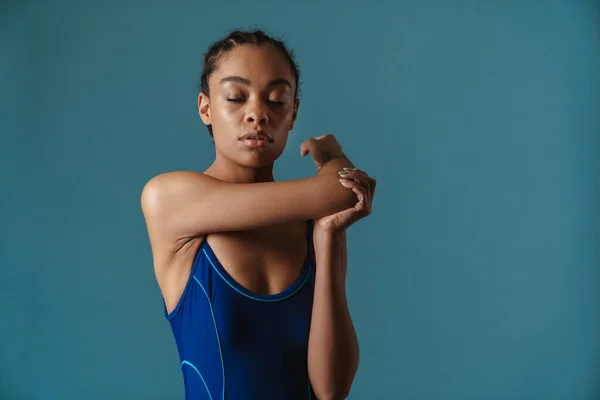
254,134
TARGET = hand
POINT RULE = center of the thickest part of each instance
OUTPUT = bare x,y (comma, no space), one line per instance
322,149
364,188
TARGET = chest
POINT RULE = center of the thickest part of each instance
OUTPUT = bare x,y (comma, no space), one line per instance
265,261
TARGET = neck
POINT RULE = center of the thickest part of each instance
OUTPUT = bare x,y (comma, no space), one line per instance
228,171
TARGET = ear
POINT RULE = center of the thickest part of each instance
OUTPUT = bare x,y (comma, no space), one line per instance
295,114
204,108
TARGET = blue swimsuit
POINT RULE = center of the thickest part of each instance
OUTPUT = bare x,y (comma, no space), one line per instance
234,344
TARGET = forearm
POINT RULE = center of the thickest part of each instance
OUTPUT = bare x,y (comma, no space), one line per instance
187,204
332,345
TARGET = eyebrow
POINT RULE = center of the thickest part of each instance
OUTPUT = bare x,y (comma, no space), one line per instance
244,81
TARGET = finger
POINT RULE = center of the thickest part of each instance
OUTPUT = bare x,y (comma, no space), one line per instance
369,184
366,196
307,146
364,175
372,183
310,146
361,194
358,177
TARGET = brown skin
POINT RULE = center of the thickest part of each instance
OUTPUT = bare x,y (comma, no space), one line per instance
254,109
182,209
333,346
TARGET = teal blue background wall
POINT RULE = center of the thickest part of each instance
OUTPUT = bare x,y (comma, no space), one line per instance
476,276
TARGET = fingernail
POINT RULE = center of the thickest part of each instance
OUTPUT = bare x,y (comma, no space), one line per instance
343,180
349,169
343,172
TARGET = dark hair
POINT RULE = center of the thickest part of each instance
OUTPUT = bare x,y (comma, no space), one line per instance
238,38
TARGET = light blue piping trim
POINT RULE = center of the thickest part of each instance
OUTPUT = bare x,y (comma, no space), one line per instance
256,298
216,332
192,365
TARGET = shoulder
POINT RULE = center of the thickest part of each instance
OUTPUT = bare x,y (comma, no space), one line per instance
167,179
171,185
163,202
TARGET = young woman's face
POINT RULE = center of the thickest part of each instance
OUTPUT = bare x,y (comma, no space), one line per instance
252,88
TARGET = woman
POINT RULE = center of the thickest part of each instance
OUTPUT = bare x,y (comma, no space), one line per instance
252,271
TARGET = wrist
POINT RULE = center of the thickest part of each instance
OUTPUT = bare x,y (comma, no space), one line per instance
337,155
336,163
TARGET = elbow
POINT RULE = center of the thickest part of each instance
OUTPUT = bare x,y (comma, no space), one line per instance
332,394
337,383
331,390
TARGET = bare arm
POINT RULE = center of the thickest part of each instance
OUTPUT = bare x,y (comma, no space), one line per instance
332,344
181,205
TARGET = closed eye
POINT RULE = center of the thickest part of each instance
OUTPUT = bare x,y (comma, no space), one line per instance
279,103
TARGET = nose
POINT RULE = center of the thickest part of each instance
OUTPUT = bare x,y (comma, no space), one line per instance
256,113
